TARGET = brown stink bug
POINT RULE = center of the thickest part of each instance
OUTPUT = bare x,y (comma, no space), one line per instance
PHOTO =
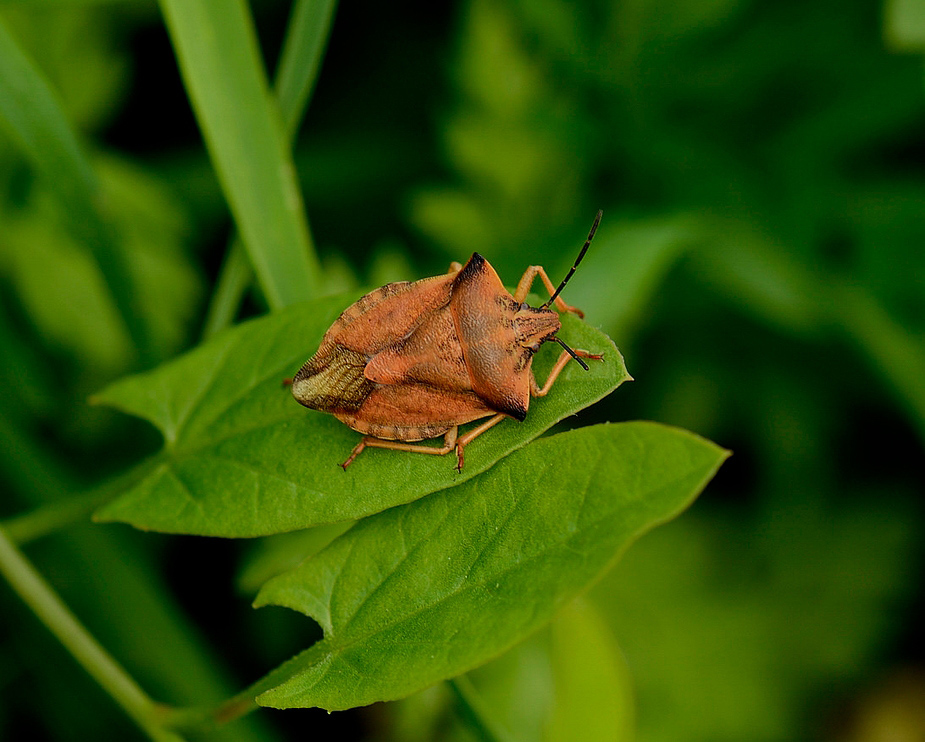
412,361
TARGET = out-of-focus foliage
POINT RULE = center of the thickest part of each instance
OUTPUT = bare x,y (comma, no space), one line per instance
761,264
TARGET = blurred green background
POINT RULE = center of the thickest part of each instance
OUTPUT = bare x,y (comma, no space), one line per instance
761,263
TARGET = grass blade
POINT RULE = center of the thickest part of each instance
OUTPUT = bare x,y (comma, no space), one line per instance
217,52
306,39
234,278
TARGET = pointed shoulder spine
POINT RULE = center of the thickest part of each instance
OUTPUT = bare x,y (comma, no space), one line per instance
474,267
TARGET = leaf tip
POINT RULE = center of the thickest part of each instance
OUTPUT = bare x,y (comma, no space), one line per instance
109,514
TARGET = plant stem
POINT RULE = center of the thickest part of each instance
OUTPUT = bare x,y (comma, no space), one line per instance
199,717
303,48
62,513
206,717
51,610
47,519
234,277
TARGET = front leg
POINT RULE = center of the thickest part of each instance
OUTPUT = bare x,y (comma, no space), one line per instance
537,391
526,282
523,288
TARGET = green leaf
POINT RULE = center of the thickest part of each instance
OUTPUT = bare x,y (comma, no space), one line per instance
217,51
306,37
242,458
435,588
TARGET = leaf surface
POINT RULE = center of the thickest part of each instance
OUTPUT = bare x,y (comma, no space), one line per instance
243,458
430,590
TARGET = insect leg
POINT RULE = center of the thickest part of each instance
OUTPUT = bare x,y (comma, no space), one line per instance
526,281
537,391
454,268
472,435
449,440
357,450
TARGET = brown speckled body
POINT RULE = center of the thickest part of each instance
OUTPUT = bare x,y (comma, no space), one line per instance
410,361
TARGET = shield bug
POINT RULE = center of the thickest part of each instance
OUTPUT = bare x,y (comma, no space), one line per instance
413,361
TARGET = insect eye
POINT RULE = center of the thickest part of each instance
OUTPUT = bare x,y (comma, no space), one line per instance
524,305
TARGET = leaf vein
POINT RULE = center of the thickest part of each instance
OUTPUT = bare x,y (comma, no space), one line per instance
421,542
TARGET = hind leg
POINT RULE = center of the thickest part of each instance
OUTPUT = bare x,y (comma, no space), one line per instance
449,442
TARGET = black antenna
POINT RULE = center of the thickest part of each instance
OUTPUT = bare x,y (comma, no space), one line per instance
572,354
551,299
